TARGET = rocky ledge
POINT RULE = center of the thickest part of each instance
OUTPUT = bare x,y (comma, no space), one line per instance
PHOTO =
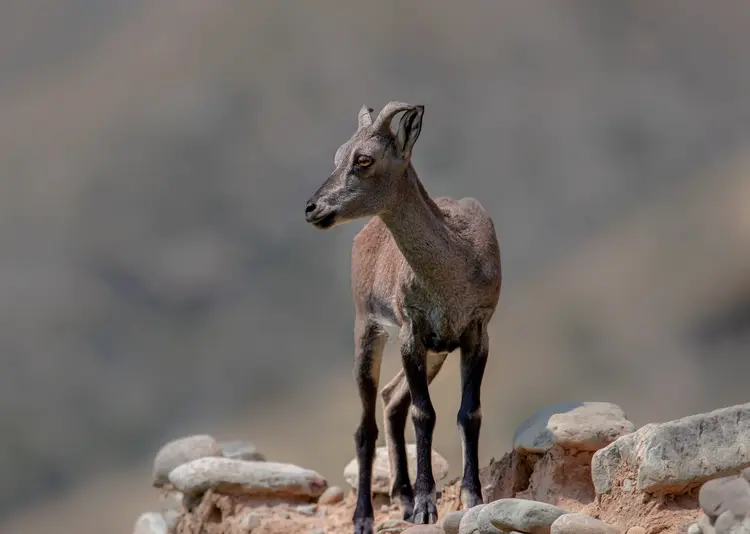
575,468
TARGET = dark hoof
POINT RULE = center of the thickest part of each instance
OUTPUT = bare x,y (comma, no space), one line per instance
407,508
425,511
363,526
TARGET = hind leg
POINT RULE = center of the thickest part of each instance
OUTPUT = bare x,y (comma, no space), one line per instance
396,402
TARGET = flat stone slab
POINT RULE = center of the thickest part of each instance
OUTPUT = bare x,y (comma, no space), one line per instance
674,456
240,477
521,515
581,524
585,426
380,470
181,451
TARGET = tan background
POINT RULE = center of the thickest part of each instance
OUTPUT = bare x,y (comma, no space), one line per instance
157,276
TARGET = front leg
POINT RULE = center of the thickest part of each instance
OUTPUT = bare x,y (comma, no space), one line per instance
370,339
413,358
474,352
396,402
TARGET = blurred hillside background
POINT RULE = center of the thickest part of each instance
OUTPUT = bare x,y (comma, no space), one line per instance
157,276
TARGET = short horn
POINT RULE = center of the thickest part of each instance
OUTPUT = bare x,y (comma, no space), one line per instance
391,109
364,119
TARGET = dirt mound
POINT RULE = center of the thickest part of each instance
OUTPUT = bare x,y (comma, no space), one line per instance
657,514
220,514
228,514
645,480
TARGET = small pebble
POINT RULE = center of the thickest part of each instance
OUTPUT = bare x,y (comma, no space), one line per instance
694,529
250,522
384,507
318,531
636,530
332,495
307,509
284,515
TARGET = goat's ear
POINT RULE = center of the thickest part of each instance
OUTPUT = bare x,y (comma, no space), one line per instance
409,129
364,118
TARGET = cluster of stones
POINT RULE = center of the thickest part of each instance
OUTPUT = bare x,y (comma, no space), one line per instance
550,462
522,516
518,516
189,469
574,468
588,454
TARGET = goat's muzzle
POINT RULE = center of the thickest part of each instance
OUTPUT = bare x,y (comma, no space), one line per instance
320,216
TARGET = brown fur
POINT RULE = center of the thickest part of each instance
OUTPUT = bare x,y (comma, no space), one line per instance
428,267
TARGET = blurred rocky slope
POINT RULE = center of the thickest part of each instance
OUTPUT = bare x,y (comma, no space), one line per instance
157,273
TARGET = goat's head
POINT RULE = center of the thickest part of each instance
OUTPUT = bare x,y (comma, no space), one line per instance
369,167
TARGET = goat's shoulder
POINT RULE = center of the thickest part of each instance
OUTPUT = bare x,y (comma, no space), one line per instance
467,209
468,218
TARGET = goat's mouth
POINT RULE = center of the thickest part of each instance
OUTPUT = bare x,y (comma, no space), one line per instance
325,222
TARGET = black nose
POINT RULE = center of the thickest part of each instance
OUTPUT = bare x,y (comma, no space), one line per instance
309,207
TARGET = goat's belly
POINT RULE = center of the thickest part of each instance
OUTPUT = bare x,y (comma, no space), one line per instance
437,330
436,344
433,343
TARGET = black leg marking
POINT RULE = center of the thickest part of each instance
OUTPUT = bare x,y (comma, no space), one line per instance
396,402
370,340
414,356
474,353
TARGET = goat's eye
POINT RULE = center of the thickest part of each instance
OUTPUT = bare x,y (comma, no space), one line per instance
364,161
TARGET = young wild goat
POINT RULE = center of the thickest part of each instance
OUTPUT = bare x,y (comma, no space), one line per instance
430,268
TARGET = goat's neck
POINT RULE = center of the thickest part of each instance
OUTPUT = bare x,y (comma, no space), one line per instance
421,233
